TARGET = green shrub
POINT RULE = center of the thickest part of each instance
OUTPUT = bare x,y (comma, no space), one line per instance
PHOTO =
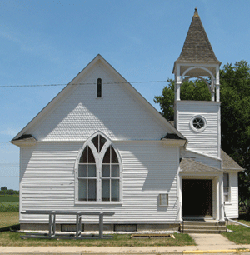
9,207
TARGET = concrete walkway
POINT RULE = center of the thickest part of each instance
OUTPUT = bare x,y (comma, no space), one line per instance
206,243
212,240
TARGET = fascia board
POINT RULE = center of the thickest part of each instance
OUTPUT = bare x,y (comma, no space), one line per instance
233,170
31,141
175,142
198,64
201,174
199,102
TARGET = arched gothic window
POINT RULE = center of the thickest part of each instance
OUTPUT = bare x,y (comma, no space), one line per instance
98,172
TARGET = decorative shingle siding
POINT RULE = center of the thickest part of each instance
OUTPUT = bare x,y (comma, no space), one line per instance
120,113
149,168
205,142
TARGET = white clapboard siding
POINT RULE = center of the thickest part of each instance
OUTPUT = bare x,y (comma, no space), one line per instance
231,208
148,168
121,113
207,141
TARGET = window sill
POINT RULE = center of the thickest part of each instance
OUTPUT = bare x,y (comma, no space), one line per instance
228,203
97,203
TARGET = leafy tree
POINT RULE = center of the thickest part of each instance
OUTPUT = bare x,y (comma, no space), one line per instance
235,113
235,119
192,90
166,100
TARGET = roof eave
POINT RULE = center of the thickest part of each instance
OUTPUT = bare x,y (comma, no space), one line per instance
177,142
25,142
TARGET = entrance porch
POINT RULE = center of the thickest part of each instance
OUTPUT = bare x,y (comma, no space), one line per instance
200,192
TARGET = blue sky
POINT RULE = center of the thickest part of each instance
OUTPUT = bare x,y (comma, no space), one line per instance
49,42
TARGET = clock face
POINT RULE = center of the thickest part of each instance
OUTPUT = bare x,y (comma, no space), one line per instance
198,123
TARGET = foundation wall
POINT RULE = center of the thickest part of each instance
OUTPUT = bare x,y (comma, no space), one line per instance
106,227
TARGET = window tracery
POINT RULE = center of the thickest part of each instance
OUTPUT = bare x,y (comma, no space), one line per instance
98,172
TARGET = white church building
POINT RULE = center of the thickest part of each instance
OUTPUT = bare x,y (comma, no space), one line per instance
100,146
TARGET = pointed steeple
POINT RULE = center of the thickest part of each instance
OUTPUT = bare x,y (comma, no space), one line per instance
197,48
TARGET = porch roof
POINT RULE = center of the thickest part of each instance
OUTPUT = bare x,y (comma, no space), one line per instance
228,163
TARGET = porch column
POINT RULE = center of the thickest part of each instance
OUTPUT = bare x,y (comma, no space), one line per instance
217,199
221,200
179,195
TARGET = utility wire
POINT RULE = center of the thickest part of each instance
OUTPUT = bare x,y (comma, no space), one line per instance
88,83
81,83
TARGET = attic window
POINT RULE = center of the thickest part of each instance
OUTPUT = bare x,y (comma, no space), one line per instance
99,87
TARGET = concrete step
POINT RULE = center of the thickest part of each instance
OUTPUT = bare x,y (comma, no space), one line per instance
203,227
201,223
203,231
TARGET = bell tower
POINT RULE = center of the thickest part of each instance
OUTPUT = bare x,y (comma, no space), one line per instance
198,121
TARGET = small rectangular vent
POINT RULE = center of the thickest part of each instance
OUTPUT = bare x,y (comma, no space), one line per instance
125,227
69,228
163,199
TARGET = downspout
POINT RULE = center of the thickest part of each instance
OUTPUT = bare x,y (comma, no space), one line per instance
234,221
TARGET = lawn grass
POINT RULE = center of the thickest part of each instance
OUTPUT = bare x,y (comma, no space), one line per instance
8,219
118,240
240,234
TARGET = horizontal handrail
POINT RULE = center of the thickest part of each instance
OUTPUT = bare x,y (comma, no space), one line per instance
234,221
67,212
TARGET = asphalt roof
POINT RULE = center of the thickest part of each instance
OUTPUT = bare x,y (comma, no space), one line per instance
189,165
229,163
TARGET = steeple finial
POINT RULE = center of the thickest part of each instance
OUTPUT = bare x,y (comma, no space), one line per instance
195,12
